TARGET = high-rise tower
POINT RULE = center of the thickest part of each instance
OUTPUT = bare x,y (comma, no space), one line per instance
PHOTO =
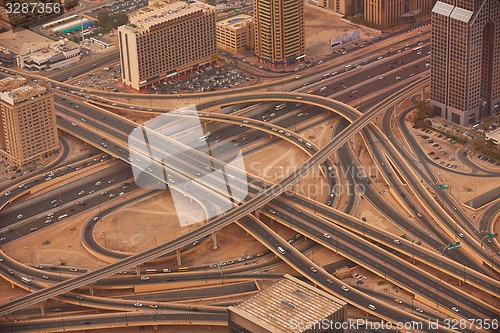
465,80
279,31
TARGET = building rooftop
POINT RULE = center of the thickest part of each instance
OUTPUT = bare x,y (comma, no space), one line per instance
235,22
160,12
16,89
289,299
23,41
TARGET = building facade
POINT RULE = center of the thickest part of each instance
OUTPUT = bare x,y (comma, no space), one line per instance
166,39
345,7
279,31
234,34
290,305
28,129
465,78
387,14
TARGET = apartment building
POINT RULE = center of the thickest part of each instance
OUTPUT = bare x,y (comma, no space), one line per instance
28,130
279,31
465,78
166,39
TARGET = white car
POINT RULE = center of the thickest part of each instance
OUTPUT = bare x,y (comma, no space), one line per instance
327,236
344,288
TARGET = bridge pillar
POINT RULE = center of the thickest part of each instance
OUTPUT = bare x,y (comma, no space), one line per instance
257,214
91,290
138,269
214,240
155,329
42,308
178,253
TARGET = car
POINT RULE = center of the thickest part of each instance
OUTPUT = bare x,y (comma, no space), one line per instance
196,243
33,229
81,193
397,241
153,306
327,236
419,310
98,183
20,216
48,221
86,322
344,288
79,297
1,259
329,281
455,309
11,272
45,277
73,269
372,307
461,235
95,219
137,304
7,193
73,124
111,195
104,193
144,278
272,211
313,269
397,300
419,214
381,78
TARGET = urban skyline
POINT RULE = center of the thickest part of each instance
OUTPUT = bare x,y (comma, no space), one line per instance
250,166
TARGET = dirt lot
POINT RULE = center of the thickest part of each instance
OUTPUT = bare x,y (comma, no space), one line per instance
321,25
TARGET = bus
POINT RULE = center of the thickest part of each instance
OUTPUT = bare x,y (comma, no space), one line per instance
231,177
26,280
417,49
279,107
310,91
62,216
205,137
183,269
151,271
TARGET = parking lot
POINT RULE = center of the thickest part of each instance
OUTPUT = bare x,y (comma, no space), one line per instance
210,78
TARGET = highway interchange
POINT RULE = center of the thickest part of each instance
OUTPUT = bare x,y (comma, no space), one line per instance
93,126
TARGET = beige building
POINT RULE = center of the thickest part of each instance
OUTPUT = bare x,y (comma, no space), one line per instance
166,39
279,31
345,7
235,33
387,14
290,305
28,129
465,77
35,52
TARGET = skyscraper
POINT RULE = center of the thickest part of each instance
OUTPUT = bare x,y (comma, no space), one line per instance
166,39
465,79
28,129
279,31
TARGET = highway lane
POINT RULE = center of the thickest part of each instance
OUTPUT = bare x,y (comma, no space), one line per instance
151,317
320,277
381,262
424,195
218,223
